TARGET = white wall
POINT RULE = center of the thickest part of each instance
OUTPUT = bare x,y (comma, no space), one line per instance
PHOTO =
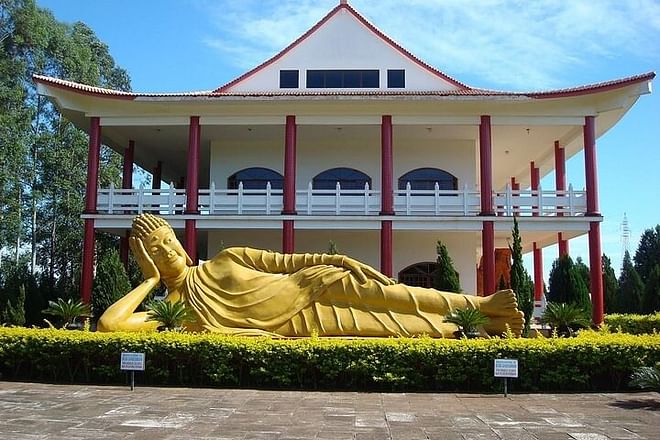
323,148
344,43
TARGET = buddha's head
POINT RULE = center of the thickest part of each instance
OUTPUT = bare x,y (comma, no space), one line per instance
161,244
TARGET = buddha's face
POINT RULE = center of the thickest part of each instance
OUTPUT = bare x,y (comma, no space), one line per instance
166,251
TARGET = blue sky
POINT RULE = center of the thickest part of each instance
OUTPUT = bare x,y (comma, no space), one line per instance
183,45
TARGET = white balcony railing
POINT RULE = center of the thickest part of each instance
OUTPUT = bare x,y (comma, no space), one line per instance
362,202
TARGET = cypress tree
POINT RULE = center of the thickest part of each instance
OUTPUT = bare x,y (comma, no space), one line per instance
567,285
631,288
110,284
610,285
651,298
583,271
647,255
446,277
521,282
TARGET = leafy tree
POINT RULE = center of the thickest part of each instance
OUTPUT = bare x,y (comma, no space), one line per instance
110,284
445,277
42,155
521,282
648,253
567,285
630,291
610,285
651,297
583,271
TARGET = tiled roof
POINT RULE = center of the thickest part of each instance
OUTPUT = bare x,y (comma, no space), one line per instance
559,93
367,24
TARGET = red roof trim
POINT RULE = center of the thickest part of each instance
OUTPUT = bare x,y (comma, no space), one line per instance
85,89
590,88
561,93
362,20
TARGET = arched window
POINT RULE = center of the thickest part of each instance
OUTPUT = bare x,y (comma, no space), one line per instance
425,179
255,178
418,274
348,178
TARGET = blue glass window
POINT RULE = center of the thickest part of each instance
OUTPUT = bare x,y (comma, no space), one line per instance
255,178
425,179
288,79
396,79
348,178
346,79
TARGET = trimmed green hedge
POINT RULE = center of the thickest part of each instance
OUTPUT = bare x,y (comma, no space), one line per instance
590,362
634,324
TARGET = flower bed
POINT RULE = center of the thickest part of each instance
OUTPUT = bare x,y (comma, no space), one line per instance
590,362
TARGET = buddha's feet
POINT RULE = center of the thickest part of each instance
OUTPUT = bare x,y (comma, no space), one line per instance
502,310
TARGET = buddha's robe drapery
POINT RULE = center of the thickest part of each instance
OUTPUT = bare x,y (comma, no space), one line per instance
297,294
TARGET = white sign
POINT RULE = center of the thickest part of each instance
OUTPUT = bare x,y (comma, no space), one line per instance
506,368
132,361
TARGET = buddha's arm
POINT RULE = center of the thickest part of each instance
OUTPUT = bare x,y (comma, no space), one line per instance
275,262
121,316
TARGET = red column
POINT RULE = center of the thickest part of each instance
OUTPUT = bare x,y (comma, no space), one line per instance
192,189
386,194
538,272
488,248
596,274
93,152
560,184
515,186
386,247
488,229
387,166
591,172
157,175
535,180
486,166
590,165
126,183
537,252
289,193
288,237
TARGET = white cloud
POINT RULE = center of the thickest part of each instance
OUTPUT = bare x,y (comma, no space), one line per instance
504,43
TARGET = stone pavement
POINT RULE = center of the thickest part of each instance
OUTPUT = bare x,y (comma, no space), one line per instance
38,411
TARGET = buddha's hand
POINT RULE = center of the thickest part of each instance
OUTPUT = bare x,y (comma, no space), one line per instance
144,260
364,272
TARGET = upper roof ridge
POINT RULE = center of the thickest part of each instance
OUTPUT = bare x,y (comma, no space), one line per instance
343,5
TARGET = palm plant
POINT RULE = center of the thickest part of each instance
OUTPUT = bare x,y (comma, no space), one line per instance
171,315
647,377
68,311
467,320
565,318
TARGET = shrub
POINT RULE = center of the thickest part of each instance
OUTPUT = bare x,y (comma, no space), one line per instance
565,318
67,312
589,362
171,315
467,320
634,324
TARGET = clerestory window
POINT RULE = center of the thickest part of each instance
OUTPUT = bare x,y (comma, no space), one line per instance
343,79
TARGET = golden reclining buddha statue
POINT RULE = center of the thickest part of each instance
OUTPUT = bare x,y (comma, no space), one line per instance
256,292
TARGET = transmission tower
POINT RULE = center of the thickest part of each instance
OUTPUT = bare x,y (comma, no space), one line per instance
625,235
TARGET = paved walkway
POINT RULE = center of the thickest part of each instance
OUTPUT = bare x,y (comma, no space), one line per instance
37,411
